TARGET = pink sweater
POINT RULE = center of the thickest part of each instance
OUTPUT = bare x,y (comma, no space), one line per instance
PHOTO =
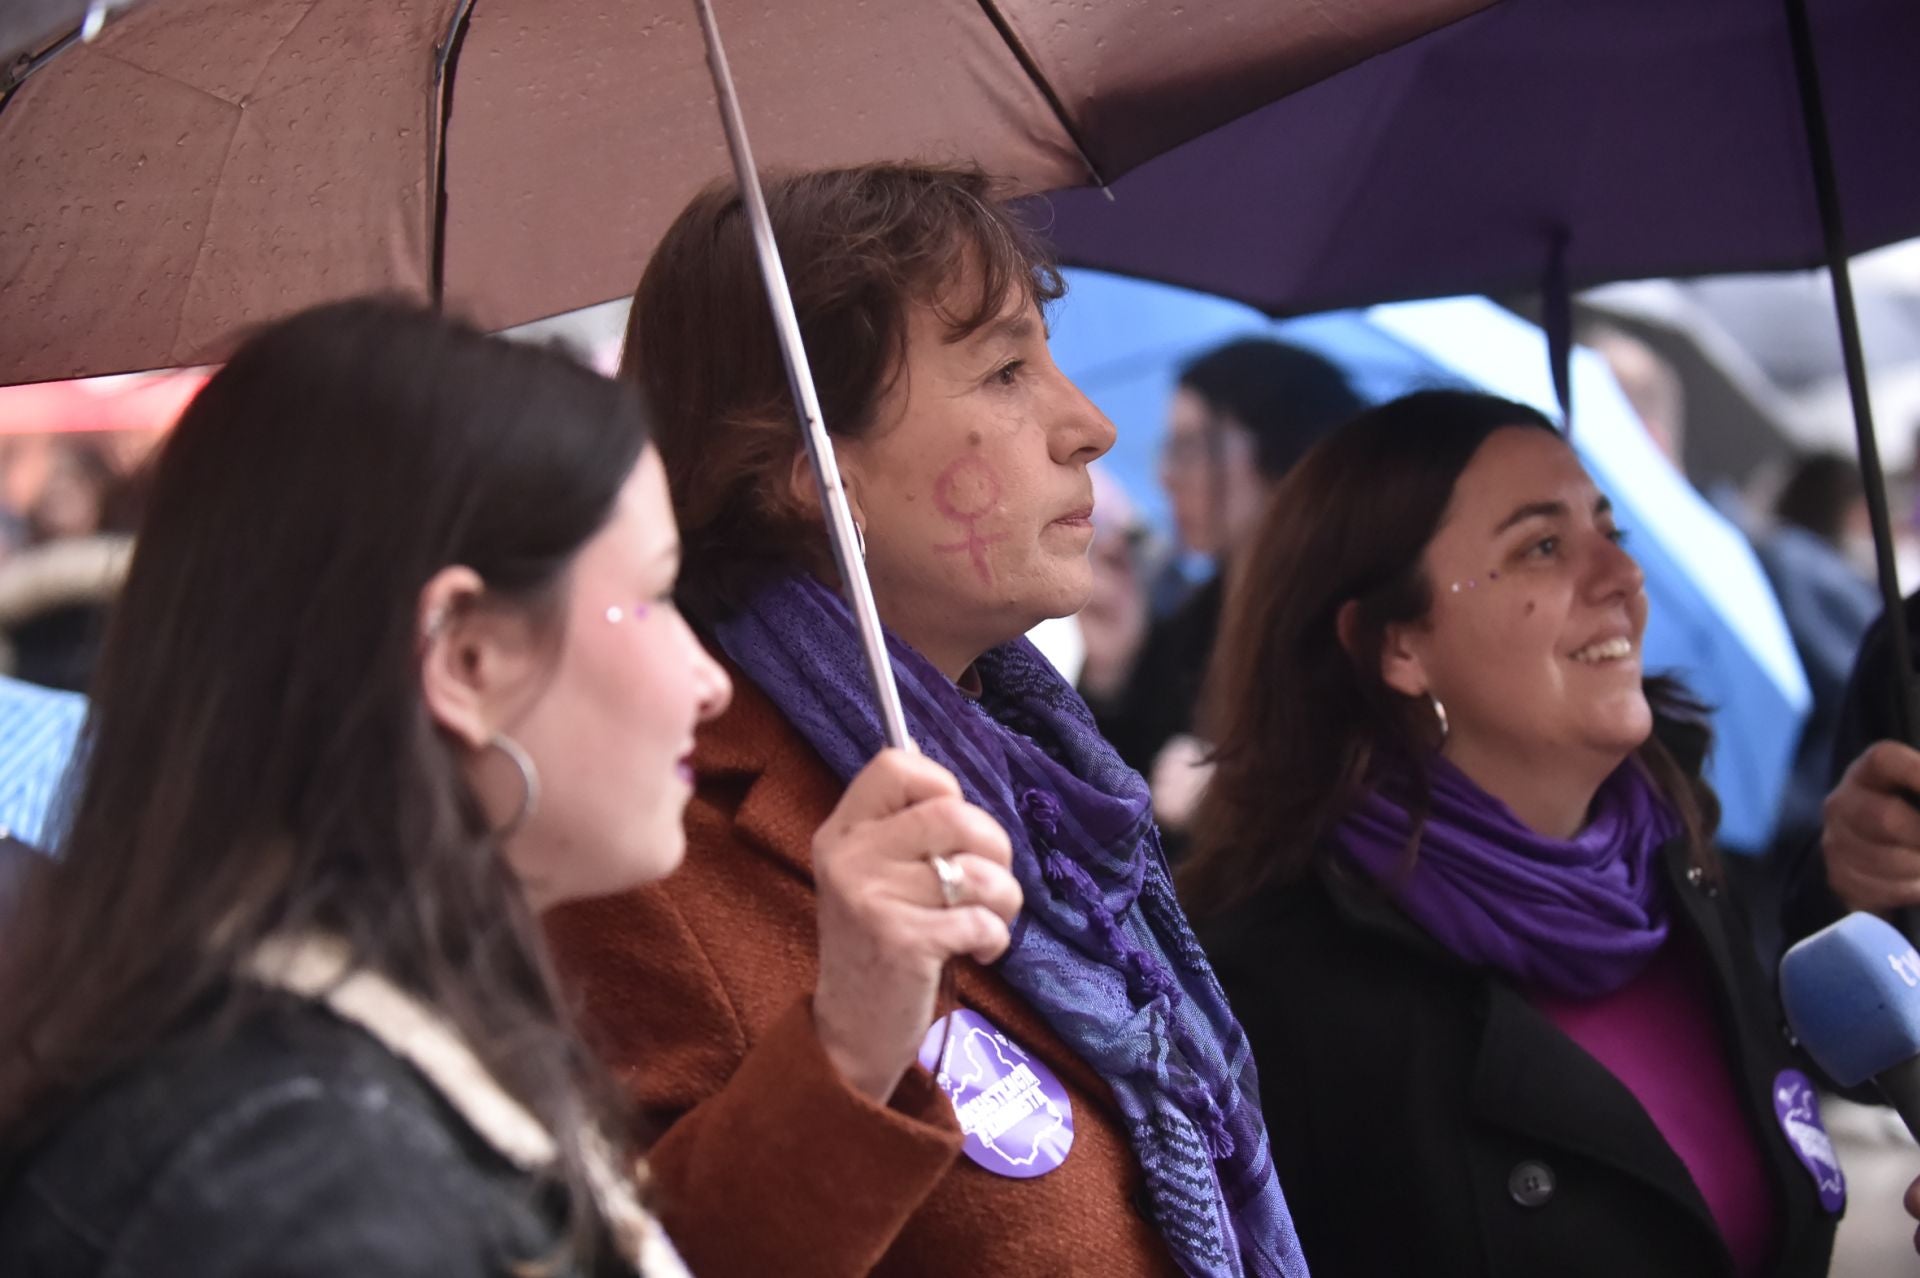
1659,1035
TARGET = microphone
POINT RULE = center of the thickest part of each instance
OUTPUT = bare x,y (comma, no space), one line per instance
1852,995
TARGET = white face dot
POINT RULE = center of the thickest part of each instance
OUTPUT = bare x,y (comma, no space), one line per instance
616,614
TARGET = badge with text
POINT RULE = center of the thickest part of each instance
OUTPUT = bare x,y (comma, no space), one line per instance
1013,1112
1798,1109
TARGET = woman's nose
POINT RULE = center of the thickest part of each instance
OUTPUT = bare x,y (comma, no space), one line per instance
714,688
1082,432
1614,571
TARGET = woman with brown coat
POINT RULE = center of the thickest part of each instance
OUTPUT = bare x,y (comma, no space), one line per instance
1100,1090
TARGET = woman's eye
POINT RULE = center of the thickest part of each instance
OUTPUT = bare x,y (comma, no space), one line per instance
1545,548
1618,536
1008,373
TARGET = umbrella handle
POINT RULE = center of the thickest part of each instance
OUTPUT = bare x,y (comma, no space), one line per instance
848,554
1826,188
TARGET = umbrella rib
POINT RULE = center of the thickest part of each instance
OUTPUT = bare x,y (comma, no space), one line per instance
1040,82
446,59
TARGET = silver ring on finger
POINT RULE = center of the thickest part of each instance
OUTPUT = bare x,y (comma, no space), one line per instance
951,879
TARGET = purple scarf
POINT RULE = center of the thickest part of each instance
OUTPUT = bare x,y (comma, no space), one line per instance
1577,917
1102,949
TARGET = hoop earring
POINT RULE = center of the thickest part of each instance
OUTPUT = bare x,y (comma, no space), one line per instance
1440,716
529,782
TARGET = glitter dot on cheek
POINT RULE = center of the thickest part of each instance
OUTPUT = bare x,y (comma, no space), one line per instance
615,613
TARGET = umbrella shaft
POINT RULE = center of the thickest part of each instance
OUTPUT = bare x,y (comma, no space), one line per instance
826,470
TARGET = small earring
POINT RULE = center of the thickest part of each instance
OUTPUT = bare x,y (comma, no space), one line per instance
1440,716
860,540
529,782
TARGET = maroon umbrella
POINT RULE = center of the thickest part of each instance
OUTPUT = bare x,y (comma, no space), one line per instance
208,164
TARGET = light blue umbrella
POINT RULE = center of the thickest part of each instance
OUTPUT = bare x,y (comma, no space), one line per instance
1714,621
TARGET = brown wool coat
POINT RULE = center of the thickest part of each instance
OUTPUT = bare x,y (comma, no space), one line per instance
764,1161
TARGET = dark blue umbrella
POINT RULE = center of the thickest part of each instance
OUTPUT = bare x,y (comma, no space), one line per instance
1548,145
1632,138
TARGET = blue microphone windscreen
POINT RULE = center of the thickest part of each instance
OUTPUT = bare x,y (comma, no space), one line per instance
1852,996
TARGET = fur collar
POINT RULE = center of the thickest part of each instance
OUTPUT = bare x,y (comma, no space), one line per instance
319,967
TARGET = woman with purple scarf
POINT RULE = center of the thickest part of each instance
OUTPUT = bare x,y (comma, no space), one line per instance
1453,870
1084,1103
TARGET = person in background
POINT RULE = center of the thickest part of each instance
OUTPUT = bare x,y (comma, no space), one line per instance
54,593
394,668
1116,617
965,454
1454,871
1651,385
1818,518
1240,417
39,728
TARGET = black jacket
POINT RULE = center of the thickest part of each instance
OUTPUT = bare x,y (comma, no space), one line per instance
297,1146
1868,713
1413,1100
1163,690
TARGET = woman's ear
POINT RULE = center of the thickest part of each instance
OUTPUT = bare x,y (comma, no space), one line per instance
1401,667
804,490
472,662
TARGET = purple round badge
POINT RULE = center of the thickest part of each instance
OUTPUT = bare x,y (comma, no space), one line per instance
1014,1114
1798,1109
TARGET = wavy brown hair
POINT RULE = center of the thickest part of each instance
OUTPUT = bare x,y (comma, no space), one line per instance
1304,722
259,758
860,246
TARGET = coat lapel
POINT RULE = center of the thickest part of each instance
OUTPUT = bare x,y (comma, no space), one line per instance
1524,1073
1525,1068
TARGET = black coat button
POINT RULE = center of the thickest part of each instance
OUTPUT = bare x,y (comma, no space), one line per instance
1531,1183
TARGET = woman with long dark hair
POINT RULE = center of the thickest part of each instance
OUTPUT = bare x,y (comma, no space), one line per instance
281,1005
1453,869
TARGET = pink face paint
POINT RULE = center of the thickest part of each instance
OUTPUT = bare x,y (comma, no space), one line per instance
616,614
965,492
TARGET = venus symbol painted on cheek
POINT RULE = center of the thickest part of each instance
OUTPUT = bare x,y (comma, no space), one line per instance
964,493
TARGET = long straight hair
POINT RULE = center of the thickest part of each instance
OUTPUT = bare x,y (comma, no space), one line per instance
259,758
1302,721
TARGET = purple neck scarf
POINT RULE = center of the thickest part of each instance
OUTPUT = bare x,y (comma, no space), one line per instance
1102,949
1576,917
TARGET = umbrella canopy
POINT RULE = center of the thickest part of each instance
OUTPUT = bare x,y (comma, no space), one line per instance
134,401
210,164
1637,137
1713,620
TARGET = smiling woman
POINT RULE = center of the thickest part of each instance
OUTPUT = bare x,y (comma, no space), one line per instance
1457,831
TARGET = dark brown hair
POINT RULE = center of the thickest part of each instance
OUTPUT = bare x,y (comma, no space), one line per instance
1300,719
259,758
860,246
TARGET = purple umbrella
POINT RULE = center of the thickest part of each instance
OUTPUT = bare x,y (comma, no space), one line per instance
1649,137
1549,145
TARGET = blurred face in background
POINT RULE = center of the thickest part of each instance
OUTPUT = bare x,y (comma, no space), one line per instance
1209,469
72,498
